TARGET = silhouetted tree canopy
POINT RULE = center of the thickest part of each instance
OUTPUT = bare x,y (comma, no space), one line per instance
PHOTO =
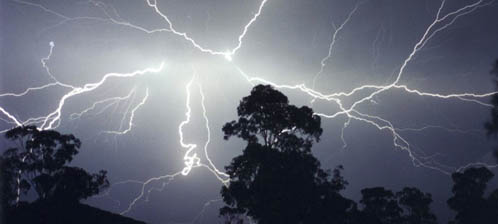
277,179
408,206
40,161
492,126
380,206
469,199
416,206
9,183
267,116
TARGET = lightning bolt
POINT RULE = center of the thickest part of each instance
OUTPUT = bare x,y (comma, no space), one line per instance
332,43
132,115
206,205
111,101
226,54
376,121
191,159
52,120
168,177
223,177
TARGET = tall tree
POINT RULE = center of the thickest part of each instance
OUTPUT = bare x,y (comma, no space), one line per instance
277,179
40,162
10,185
469,200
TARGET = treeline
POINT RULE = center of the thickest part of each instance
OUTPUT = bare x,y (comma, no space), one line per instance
39,162
278,180
275,180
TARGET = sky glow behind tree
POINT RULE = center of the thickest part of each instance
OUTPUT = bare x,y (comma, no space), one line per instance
403,88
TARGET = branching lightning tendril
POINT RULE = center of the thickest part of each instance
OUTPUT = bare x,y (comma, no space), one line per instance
191,158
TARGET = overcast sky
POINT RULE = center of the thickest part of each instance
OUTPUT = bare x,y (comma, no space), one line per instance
284,45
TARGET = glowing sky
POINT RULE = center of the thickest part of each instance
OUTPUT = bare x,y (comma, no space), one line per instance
403,88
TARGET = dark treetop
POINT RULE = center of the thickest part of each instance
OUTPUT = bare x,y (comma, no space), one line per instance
277,179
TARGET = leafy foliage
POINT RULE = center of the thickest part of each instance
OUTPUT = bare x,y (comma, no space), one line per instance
277,179
408,206
9,184
40,162
468,197
380,205
267,116
416,206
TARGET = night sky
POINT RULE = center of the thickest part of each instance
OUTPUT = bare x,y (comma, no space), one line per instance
422,141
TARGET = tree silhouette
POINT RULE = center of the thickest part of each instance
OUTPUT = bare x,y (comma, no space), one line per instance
277,179
39,162
10,186
468,197
382,206
492,126
416,206
73,184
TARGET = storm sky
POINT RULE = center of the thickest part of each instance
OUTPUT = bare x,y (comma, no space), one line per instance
284,45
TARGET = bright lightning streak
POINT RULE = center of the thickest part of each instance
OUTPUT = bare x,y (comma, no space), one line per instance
332,43
11,117
52,120
132,115
217,172
47,69
246,27
191,160
74,116
25,92
28,90
144,185
352,113
44,63
226,54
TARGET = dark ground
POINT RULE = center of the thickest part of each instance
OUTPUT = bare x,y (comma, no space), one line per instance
51,213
